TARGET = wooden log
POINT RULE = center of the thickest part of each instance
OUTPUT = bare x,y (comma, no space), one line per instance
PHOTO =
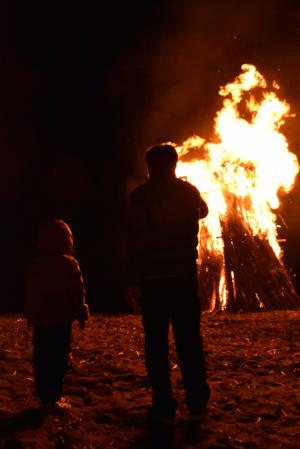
255,278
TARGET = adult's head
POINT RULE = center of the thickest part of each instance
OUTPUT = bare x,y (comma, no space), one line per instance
161,161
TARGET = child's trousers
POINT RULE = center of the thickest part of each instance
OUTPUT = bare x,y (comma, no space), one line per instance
51,348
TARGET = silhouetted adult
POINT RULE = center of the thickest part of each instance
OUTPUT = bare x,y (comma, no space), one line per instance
163,238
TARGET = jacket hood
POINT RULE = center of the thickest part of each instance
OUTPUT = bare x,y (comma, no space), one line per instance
55,237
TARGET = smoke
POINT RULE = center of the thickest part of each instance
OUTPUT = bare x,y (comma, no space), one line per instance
171,79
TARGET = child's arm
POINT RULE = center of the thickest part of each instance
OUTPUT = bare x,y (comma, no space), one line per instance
80,307
84,315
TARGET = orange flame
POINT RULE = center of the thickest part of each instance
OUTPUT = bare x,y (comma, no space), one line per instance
245,170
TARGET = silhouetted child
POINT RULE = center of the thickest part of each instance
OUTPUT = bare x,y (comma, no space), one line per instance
54,297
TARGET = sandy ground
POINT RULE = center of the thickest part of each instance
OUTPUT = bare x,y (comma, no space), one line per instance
253,368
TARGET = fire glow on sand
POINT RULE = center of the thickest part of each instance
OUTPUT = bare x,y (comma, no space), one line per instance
240,174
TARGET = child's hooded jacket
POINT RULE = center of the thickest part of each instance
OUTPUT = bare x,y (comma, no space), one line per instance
54,290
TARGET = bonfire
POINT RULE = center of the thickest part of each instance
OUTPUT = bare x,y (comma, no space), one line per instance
243,173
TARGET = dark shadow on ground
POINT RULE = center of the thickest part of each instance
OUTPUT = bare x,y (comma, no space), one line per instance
183,435
29,418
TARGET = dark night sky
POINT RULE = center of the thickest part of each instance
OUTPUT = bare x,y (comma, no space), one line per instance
85,89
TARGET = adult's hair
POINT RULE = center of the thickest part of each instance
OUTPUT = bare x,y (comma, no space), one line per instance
161,160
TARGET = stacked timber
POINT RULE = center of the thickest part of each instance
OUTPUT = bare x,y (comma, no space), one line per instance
255,278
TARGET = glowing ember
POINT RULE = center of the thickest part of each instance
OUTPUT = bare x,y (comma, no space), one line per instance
240,176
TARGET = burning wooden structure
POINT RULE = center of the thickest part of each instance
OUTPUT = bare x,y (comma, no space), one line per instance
254,278
239,175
